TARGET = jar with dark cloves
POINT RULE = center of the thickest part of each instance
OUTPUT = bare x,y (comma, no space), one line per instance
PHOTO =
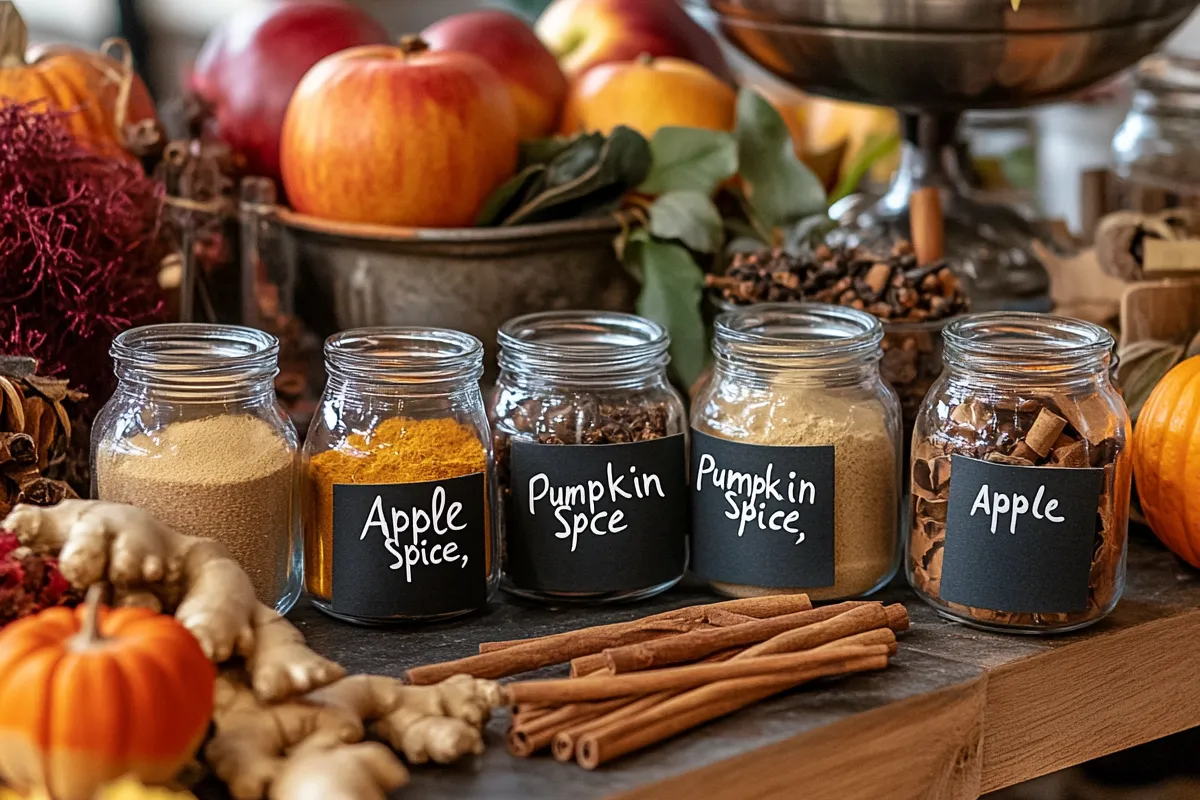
591,453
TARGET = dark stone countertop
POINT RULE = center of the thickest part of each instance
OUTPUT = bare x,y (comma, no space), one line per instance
934,655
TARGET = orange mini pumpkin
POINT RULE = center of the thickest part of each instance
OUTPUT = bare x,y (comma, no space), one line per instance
111,109
1166,460
90,695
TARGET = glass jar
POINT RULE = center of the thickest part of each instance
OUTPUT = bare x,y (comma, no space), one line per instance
194,435
592,452
400,511
1156,151
796,455
1020,478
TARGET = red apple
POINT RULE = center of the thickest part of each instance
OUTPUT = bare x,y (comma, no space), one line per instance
249,67
584,33
510,46
398,136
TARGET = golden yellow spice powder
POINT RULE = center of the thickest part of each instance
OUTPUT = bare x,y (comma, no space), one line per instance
396,451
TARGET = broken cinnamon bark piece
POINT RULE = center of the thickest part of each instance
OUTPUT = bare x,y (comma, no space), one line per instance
17,448
1073,455
1046,428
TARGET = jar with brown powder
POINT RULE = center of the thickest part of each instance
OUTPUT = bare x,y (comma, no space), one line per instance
796,455
194,435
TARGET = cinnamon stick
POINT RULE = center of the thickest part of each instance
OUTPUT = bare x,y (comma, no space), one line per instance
562,647
928,225
695,645
849,623
578,690
712,613
526,736
687,710
17,448
563,745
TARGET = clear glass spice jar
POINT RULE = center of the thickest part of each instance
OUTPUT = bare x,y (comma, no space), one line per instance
400,509
796,455
194,435
1156,151
1020,478
591,448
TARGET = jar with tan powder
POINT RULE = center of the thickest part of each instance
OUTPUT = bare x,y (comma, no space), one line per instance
194,435
796,455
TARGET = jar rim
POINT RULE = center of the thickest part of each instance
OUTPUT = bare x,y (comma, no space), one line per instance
595,343
1006,340
797,333
403,354
198,355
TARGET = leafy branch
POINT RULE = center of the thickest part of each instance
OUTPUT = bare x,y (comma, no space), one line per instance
699,195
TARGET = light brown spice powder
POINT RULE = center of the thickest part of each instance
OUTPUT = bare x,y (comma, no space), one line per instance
866,504
230,478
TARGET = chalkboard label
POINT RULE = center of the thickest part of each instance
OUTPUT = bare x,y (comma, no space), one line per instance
410,549
1020,539
597,518
762,515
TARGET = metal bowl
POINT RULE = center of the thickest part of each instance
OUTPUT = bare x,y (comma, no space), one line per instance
942,55
468,279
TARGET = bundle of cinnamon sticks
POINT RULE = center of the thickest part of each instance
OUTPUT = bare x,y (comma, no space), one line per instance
637,683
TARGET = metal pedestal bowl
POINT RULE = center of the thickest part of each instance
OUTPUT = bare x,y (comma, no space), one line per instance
932,60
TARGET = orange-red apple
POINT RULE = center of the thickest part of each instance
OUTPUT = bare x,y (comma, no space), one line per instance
398,136
646,94
584,33
504,41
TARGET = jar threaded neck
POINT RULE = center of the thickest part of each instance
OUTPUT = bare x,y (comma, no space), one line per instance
583,347
1023,345
404,356
196,359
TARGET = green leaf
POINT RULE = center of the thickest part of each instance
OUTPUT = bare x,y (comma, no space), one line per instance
780,188
672,289
511,194
690,159
876,147
543,151
589,177
690,217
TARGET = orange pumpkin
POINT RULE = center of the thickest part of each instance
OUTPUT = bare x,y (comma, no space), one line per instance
90,695
112,109
1166,460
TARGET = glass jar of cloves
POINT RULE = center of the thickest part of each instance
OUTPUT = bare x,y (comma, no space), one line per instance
591,453
1020,477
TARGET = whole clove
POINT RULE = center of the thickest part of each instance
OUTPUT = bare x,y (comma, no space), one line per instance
911,300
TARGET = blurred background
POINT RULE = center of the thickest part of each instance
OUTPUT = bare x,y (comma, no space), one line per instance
1071,137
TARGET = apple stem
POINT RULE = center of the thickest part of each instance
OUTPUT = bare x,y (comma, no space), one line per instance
411,44
645,59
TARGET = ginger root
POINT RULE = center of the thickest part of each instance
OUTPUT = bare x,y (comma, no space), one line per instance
197,580
288,724
295,749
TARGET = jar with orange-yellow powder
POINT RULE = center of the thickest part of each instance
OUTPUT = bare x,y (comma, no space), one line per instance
400,512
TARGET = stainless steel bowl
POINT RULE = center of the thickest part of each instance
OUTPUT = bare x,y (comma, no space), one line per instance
469,279
942,55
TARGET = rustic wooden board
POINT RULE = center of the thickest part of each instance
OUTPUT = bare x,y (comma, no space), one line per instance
960,711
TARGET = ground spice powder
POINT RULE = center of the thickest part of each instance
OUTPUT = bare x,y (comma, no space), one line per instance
397,450
229,477
866,511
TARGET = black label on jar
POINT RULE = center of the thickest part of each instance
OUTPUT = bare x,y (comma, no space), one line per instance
762,515
1020,539
597,518
410,549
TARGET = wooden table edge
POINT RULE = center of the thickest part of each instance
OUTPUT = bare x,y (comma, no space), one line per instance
1036,714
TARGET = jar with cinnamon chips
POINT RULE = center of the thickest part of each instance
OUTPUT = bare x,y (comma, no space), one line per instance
1020,476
